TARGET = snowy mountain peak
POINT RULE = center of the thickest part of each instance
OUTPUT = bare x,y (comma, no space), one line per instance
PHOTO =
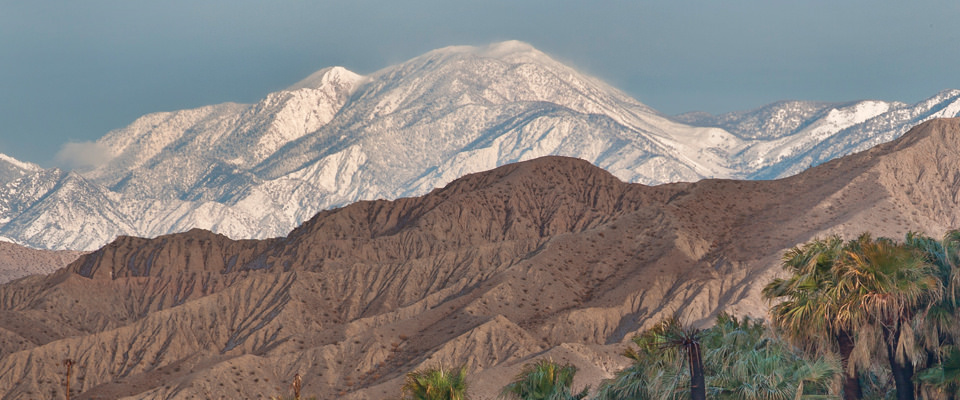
499,74
515,51
332,76
948,93
336,137
511,56
512,51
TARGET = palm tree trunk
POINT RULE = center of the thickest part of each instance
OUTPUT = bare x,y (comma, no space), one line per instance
69,363
902,371
698,386
851,381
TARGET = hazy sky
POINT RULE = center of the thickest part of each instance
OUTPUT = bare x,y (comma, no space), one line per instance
72,70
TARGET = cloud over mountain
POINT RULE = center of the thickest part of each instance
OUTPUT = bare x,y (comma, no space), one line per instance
83,155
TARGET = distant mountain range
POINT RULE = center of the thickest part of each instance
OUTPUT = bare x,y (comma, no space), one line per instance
258,170
551,258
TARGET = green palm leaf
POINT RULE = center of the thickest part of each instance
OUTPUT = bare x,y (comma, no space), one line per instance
436,384
544,380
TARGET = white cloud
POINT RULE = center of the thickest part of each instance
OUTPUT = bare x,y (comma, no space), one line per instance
82,155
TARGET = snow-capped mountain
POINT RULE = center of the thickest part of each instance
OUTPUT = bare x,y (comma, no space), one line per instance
795,135
258,170
11,168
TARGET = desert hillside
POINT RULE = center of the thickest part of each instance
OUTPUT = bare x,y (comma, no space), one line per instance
552,257
18,261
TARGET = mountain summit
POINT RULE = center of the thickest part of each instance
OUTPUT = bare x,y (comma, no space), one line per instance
336,137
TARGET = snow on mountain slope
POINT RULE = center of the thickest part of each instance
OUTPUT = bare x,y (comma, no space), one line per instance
857,137
61,210
419,114
831,121
796,135
139,145
165,154
60,205
254,171
771,121
17,196
11,168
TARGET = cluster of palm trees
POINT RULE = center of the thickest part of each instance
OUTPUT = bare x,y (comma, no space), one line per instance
734,359
876,302
864,318
542,380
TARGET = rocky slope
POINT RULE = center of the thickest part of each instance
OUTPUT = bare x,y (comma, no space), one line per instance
552,257
258,170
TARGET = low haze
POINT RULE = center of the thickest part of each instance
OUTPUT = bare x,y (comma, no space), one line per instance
71,71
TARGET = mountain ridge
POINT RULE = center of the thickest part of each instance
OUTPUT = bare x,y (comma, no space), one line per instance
258,170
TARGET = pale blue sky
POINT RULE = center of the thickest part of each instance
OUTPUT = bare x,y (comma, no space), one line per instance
73,70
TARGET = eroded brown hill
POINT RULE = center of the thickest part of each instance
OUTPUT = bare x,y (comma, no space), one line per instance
18,261
547,258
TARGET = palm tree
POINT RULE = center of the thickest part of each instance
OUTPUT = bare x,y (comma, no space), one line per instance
657,371
939,372
297,385
747,363
544,380
890,285
942,380
741,361
653,375
942,323
671,334
812,310
69,364
862,289
436,384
